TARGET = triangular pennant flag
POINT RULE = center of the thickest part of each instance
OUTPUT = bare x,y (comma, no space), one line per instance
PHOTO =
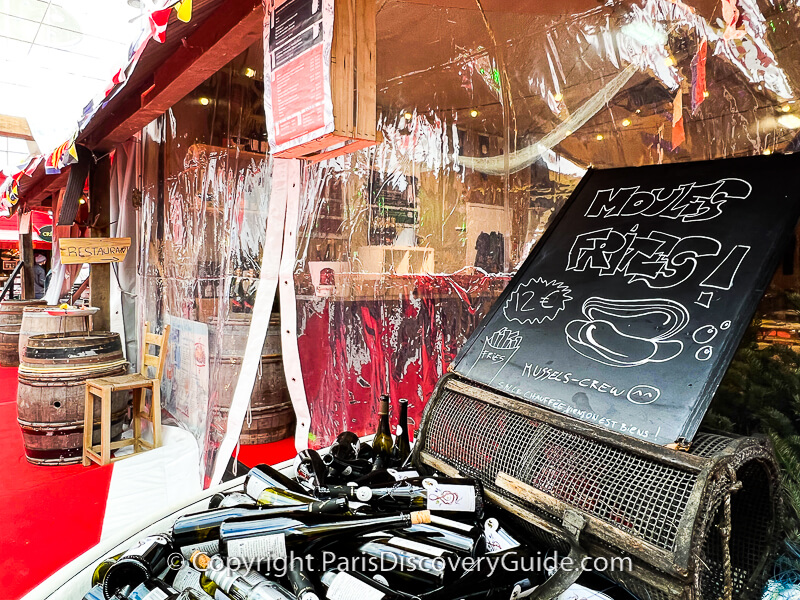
33,165
158,24
184,8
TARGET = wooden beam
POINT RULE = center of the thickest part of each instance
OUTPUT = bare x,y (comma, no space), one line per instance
225,34
15,127
100,218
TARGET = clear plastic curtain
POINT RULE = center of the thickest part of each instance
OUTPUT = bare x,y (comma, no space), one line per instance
489,118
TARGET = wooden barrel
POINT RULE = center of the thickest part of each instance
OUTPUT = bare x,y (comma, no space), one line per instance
11,310
9,345
37,320
271,415
51,393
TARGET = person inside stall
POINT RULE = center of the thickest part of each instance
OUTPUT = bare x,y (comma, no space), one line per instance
39,276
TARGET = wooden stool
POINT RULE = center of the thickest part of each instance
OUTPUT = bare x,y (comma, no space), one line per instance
138,383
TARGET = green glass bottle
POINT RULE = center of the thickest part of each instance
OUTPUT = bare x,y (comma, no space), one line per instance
382,442
402,444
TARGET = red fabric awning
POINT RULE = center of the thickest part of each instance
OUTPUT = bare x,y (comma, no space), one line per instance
41,226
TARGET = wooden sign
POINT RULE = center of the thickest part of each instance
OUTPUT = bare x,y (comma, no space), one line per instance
75,251
629,309
320,77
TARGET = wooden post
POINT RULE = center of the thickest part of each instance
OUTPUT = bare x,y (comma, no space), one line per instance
28,271
99,218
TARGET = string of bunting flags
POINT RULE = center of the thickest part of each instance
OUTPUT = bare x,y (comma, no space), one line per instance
66,154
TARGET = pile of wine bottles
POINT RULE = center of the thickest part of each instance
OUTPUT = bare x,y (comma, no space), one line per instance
358,523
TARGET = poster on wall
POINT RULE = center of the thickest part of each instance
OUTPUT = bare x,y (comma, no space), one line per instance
628,312
297,93
184,387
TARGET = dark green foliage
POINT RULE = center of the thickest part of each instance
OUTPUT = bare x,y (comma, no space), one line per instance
760,393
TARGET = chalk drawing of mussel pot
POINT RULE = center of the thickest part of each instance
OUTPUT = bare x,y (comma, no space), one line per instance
628,333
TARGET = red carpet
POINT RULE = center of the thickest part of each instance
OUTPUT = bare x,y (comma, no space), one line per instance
53,514
270,454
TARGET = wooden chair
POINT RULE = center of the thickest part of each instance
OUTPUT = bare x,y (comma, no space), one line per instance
138,383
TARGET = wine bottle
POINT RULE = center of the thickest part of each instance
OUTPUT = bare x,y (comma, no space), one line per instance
357,467
346,447
300,582
382,442
442,537
200,531
102,568
350,586
402,445
412,570
222,500
272,539
281,497
188,577
440,493
236,587
311,470
365,452
96,593
140,563
155,589
263,476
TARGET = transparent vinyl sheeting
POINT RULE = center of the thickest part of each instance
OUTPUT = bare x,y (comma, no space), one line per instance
490,114
206,184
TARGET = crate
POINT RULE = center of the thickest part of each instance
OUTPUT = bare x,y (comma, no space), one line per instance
353,85
697,524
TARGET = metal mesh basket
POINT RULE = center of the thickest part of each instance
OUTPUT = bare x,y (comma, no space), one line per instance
665,509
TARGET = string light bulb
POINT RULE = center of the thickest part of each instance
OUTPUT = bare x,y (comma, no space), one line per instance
81,200
249,72
599,137
473,113
559,97
669,61
638,111
767,152
408,116
786,108
204,101
626,122
706,93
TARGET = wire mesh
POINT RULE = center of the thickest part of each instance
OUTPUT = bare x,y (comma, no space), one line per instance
634,494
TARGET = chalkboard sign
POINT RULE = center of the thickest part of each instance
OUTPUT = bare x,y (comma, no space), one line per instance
629,310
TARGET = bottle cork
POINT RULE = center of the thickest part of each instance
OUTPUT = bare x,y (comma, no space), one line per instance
200,560
419,517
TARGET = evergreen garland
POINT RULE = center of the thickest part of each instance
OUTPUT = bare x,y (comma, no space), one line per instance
760,393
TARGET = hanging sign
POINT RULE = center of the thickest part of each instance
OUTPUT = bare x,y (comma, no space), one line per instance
76,251
629,310
297,88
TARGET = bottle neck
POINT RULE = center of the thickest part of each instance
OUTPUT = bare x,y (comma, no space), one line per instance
230,583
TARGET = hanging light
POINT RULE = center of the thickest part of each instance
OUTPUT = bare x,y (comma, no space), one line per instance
248,72
789,121
204,101
599,137
626,122
473,113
